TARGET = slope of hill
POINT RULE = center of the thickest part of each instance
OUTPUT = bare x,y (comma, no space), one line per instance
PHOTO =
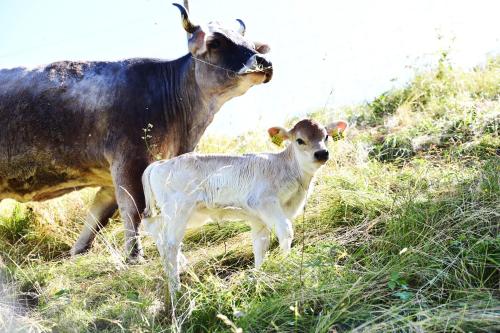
399,235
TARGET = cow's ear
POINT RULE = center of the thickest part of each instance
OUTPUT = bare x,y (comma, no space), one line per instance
196,43
262,48
336,129
278,135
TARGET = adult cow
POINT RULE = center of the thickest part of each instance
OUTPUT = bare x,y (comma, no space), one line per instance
71,125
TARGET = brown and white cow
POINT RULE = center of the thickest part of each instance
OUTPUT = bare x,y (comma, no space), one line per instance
70,124
268,190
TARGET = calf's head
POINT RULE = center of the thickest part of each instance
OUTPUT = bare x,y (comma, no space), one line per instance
226,63
308,141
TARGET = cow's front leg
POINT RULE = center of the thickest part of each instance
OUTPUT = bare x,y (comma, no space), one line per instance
130,198
102,208
273,216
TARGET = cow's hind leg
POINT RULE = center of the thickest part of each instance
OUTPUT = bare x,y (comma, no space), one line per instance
102,209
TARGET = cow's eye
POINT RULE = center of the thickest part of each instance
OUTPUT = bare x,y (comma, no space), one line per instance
300,142
214,44
326,138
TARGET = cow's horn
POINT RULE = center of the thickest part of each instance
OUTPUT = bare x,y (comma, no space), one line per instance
242,28
186,23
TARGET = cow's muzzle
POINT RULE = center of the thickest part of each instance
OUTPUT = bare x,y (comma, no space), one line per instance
258,64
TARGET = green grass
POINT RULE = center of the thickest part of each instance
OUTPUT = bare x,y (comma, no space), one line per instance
399,235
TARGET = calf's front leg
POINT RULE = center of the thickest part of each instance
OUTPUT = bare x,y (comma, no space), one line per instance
261,238
273,217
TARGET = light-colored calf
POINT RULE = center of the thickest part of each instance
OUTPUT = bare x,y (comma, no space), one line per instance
268,190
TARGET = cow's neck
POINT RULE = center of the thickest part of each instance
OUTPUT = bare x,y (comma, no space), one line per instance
187,105
186,109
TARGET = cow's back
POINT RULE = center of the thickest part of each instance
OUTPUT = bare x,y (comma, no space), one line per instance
63,125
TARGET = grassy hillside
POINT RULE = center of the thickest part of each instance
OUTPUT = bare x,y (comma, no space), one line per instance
399,235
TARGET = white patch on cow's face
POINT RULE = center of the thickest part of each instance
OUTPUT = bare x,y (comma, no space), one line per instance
247,81
251,73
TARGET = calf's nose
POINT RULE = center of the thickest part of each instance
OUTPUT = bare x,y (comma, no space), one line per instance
321,155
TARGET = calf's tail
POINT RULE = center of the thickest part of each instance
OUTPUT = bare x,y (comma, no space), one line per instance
148,193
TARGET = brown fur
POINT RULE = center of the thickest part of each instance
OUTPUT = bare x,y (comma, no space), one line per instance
310,129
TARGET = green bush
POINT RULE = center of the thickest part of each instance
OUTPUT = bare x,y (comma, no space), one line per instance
393,148
18,225
388,102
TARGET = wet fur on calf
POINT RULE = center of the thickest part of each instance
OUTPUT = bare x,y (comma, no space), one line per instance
268,190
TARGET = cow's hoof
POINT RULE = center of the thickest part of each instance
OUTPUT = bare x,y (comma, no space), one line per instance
135,260
77,249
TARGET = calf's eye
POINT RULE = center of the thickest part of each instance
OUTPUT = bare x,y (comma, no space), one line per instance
300,142
326,138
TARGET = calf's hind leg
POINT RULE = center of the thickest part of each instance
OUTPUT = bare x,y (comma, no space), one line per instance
175,218
102,208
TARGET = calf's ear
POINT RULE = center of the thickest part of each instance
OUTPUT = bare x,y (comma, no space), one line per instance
336,129
278,135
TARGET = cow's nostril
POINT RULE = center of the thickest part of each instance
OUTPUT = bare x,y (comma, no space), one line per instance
321,155
263,61
265,66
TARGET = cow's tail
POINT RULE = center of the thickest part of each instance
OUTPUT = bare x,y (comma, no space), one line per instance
149,195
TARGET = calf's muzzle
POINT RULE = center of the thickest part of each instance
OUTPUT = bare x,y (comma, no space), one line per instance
321,155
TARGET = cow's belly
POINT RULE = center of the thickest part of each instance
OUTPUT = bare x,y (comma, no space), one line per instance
49,183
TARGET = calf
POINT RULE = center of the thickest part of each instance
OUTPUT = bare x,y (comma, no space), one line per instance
268,190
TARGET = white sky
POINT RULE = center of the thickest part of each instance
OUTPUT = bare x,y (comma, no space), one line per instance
358,48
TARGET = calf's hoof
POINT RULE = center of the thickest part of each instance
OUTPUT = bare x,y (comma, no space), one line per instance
183,263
